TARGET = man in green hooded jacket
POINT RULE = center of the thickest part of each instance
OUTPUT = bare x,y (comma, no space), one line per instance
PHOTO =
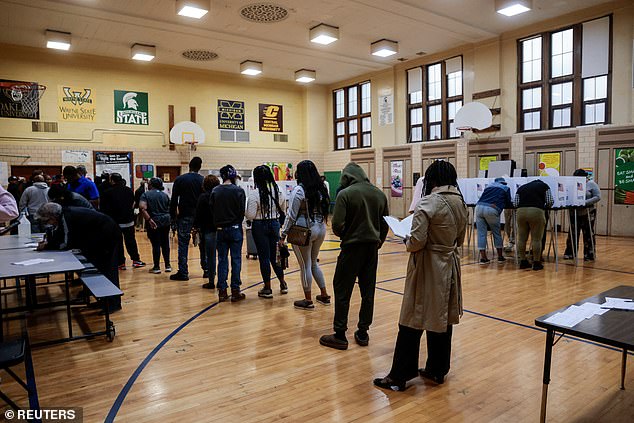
358,220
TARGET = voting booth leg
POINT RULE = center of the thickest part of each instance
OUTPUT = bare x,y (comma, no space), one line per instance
623,365
550,340
556,247
575,240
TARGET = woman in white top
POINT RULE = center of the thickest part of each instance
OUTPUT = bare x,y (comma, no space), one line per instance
265,206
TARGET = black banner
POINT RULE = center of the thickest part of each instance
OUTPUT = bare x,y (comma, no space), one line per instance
271,118
230,114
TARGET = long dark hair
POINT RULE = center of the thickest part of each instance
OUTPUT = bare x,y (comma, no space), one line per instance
314,189
267,188
438,174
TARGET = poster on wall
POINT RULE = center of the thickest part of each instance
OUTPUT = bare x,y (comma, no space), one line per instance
76,104
75,156
11,100
144,171
485,160
590,173
549,164
386,110
396,179
624,176
115,162
231,114
271,119
131,108
281,171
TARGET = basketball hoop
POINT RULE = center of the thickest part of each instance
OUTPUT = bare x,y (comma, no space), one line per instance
187,133
191,144
28,95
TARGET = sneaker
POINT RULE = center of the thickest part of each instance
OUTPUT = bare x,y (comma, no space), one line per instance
362,338
179,277
501,259
323,299
265,293
122,267
568,257
484,261
137,263
283,287
304,305
331,341
168,268
537,265
209,285
155,270
236,296
524,264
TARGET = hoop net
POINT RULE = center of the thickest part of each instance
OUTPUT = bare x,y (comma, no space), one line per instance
28,95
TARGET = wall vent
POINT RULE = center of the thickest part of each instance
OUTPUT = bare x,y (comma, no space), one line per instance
39,126
280,137
227,135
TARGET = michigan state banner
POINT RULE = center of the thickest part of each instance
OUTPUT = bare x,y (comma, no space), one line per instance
131,108
76,104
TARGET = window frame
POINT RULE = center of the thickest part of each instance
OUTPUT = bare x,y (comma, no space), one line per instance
346,119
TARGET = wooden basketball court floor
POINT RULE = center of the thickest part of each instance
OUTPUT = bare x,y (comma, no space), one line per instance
180,357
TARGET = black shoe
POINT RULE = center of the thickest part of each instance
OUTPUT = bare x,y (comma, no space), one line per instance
178,276
323,299
524,264
362,338
283,287
332,341
265,293
484,261
205,274
434,378
209,285
388,383
304,305
537,265
589,257
501,259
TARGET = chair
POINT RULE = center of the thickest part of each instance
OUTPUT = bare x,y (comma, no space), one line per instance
13,353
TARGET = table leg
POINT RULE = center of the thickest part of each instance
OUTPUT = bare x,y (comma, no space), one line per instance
550,339
623,364
67,276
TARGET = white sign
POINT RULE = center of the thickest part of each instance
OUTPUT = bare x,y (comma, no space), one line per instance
386,110
115,162
75,156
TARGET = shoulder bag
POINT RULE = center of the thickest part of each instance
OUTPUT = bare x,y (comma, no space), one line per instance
299,235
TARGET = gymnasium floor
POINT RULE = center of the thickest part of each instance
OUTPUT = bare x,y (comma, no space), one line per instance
180,356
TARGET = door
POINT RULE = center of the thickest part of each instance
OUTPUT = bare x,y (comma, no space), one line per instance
168,173
333,179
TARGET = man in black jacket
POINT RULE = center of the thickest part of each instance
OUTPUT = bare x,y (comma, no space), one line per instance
118,203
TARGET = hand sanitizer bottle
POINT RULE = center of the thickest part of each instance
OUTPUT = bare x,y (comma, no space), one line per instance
24,228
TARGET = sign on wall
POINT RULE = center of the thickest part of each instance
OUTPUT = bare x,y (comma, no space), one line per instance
282,171
230,114
271,118
75,156
386,110
76,104
549,164
396,179
131,108
485,160
624,176
115,162
11,101
144,171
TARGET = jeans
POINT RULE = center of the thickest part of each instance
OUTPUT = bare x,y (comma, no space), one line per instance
266,234
229,240
130,245
488,216
160,240
210,254
307,256
185,225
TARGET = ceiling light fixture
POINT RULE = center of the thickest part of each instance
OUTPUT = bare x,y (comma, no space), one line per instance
57,39
192,8
513,7
324,34
305,76
143,52
251,67
384,48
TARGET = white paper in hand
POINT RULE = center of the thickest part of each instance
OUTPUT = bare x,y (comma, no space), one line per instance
400,228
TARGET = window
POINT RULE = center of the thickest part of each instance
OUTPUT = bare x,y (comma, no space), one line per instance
353,123
431,111
558,88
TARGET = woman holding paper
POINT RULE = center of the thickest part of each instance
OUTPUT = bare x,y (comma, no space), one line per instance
432,300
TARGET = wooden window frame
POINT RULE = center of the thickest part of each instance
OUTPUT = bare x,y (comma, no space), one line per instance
346,118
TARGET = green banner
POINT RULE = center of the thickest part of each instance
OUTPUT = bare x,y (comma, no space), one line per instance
131,108
624,176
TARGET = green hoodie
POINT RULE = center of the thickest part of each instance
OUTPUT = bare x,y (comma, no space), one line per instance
359,209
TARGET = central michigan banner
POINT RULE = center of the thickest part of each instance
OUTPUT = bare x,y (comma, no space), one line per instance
271,118
230,114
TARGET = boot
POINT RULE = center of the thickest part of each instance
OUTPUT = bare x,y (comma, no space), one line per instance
236,295
222,295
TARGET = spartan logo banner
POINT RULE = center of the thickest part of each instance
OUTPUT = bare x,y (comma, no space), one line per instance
75,104
131,108
11,100
271,118
230,114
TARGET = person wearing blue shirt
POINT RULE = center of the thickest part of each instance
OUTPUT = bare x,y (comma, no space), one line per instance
81,185
495,198
586,217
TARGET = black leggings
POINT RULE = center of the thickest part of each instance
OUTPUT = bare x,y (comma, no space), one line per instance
160,239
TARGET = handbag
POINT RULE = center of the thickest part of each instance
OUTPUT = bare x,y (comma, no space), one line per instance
299,235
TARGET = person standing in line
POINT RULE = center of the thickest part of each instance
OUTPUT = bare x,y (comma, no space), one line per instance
32,199
118,203
358,220
494,199
265,207
65,198
154,207
137,196
8,206
531,201
185,192
81,185
15,188
585,221
308,207
432,299
204,224
227,203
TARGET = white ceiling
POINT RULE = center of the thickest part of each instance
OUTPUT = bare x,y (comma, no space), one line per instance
110,27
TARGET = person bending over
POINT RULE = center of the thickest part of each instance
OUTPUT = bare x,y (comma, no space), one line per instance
495,198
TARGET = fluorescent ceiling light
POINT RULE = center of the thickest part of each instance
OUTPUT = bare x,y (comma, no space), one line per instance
143,52
324,34
384,48
251,67
192,8
513,7
305,76
57,40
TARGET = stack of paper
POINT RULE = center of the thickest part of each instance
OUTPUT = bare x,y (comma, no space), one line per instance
32,262
574,315
618,303
400,228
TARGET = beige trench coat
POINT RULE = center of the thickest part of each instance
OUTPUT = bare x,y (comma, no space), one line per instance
433,293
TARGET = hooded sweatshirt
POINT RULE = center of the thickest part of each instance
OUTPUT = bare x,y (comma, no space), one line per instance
359,209
34,197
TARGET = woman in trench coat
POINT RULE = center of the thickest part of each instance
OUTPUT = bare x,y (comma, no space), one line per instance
432,300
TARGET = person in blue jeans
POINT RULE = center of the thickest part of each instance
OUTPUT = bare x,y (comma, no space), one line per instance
495,198
227,203
265,206
204,224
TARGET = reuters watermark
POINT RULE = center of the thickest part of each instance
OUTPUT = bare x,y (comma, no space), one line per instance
46,415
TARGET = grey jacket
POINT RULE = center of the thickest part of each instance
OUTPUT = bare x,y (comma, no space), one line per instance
34,197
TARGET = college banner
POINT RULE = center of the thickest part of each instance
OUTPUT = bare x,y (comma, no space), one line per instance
115,162
549,164
624,176
230,114
131,108
76,104
396,180
11,101
271,118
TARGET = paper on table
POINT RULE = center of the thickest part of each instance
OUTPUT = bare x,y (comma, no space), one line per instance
400,228
32,262
574,315
618,303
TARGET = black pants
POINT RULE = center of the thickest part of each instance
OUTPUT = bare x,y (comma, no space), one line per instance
130,245
584,223
356,260
407,350
108,264
160,240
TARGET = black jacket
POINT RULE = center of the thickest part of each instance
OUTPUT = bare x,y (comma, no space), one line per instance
227,204
185,192
118,203
204,219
